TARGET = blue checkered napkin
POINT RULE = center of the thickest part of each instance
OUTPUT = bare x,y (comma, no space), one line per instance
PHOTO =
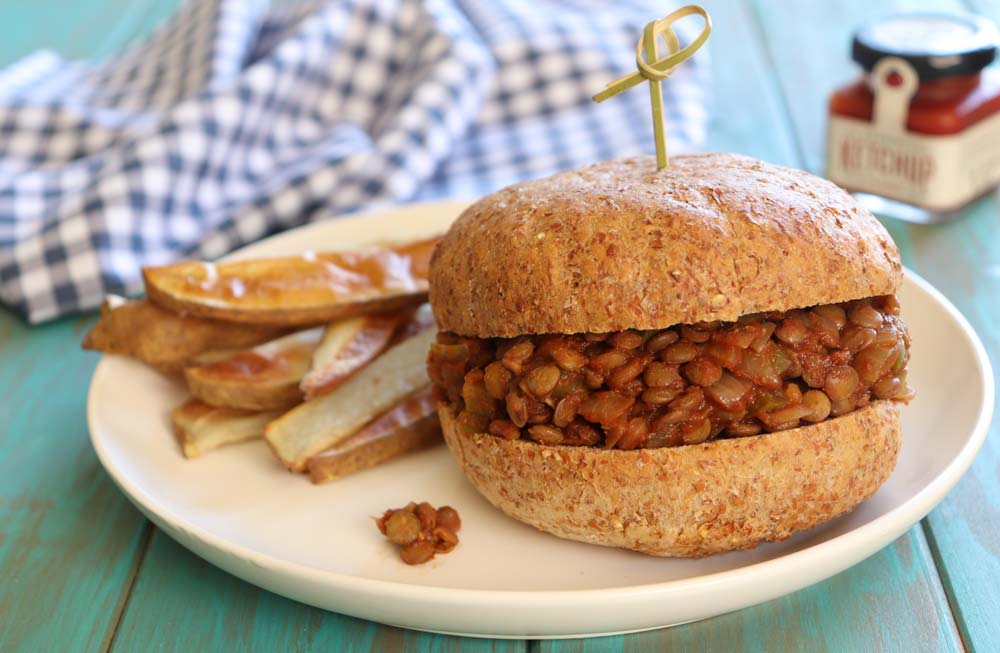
233,122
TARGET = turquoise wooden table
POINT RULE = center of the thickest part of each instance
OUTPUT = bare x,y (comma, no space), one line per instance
82,570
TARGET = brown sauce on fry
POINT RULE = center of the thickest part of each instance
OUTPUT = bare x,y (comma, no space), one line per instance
407,412
349,273
363,346
256,365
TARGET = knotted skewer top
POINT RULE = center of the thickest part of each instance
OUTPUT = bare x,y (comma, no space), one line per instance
656,70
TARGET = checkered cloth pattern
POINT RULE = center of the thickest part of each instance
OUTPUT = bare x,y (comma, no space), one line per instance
234,121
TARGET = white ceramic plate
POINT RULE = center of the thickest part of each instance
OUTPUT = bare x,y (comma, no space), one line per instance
240,510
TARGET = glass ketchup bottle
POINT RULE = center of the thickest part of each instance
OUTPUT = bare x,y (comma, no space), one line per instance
918,136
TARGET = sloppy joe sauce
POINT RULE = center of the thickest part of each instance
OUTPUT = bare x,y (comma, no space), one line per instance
681,385
421,530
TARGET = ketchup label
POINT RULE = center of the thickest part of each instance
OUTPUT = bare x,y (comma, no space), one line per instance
940,173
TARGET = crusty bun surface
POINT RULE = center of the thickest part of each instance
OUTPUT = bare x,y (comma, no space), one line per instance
686,501
620,245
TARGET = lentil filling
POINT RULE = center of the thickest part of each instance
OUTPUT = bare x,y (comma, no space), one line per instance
682,385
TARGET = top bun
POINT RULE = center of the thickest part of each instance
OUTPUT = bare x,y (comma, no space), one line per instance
620,245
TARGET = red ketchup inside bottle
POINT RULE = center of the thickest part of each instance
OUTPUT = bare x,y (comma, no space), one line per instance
943,106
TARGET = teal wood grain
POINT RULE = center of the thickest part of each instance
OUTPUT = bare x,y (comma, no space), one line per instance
961,258
181,603
76,30
869,607
748,112
68,537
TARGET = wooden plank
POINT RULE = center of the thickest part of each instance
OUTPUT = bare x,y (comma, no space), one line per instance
69,540
890,602
78,30
68,537
962,259
182,603
748,115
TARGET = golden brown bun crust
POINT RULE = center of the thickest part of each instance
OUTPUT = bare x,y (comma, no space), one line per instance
619,245
686,501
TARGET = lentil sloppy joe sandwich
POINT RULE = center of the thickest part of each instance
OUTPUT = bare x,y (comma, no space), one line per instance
679,362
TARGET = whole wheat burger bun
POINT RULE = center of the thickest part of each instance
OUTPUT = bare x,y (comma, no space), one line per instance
686,501
620,245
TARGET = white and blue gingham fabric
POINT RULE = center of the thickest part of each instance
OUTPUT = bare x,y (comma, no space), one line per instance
234,121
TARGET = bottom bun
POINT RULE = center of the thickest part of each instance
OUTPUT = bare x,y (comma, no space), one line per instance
686,501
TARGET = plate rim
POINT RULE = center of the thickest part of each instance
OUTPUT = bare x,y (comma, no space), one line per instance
895,522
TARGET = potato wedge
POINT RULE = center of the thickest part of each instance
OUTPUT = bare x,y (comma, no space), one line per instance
166,340
300,290
409,425
200,427
346,347
265,377
324,421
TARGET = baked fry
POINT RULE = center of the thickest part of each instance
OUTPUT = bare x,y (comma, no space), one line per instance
324,421
200,427
300,290
409,425
346,347
166,340
265,377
